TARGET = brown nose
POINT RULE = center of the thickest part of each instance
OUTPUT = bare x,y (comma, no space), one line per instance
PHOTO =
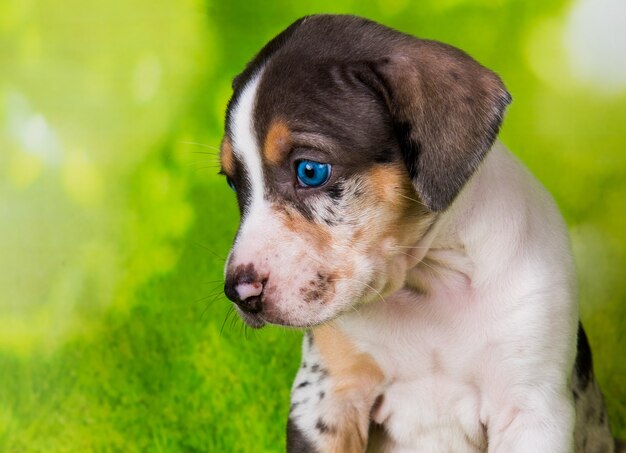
245,288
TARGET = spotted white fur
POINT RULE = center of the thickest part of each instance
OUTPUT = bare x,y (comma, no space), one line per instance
311,392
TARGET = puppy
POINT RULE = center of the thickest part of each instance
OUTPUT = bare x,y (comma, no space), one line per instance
433,272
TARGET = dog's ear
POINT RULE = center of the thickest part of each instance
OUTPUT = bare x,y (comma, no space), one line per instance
446,110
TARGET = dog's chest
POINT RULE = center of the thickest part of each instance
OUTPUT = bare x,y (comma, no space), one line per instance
432,360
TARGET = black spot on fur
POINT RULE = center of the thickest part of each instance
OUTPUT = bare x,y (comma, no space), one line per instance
322,395
335,191
303,384
309,338
315,368
323,428
305,210
316,289
584,362
330,217
304,365
296,440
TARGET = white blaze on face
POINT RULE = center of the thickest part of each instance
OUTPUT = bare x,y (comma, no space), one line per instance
263,240
244,141
259,223
260,226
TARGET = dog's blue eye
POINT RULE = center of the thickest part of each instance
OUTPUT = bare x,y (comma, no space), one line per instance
231,184
312,174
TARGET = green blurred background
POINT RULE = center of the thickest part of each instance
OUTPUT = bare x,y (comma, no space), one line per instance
114,334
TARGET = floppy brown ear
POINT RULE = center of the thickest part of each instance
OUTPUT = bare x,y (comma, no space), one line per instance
446,110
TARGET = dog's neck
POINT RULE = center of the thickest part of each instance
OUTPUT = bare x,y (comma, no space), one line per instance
440,259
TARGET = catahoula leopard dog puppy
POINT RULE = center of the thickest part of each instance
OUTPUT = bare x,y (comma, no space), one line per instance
432,270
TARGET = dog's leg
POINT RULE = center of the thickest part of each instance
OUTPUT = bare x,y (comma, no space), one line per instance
546,427
575,421
332,396
306,427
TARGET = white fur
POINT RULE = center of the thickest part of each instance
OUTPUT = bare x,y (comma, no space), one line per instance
489,346
245,146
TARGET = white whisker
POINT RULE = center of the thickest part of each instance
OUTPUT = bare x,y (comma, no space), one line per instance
201,144
364,284
412,199
409,247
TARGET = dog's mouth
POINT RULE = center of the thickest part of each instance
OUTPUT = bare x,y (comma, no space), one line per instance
300,313
302,297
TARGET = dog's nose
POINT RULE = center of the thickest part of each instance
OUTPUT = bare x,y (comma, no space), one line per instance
248,296
245,292
248,290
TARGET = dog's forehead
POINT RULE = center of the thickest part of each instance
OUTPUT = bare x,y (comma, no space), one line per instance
316,106
305,86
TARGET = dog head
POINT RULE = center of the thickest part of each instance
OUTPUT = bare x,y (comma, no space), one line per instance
343,141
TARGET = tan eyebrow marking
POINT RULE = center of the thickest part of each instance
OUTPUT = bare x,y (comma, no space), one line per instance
277,142
226,156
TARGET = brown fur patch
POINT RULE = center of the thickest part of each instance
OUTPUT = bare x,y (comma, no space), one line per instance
387,182
391,185
277,142
227,157
357,379
295,222
398,206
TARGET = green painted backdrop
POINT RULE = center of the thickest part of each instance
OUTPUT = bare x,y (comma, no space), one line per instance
114,335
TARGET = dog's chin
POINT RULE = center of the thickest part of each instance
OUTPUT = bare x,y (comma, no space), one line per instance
257,321
253,321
